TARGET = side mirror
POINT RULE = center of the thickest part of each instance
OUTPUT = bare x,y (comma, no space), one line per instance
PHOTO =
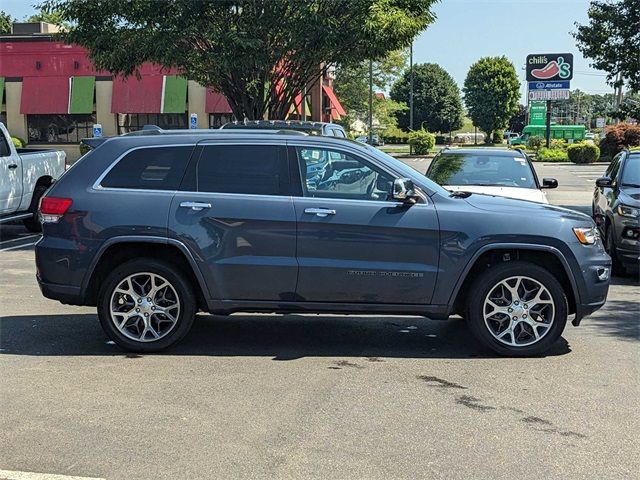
604,182
404,191
549,183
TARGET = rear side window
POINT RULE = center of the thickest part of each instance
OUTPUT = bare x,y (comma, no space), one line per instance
159,168
249,169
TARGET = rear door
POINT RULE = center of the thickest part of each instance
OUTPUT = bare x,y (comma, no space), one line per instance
10,178
235,212
354,244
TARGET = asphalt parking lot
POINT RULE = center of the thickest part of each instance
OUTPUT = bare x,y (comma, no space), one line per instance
309,396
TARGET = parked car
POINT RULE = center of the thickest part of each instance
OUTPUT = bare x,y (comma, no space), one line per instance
492,171
311,128
616,210
25,174
152,228
376,141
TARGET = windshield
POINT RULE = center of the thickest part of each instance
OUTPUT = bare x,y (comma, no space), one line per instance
481,169
631,172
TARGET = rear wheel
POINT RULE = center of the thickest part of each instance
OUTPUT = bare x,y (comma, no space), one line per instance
146,305
517,309
33,222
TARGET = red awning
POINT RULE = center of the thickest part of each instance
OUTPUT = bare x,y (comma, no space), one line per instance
42,95
216,103
137,96
335,103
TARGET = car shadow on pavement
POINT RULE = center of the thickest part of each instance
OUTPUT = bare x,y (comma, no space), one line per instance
284,337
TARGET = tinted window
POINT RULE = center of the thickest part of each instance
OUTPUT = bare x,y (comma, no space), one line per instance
332,174
251,169
149,168
631,171
488,170
612,171
4,147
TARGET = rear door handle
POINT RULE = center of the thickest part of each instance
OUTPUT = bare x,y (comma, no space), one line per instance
197,206
320,212
13,166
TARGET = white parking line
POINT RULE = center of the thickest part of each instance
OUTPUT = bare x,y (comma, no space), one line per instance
16,247
18,239
11,475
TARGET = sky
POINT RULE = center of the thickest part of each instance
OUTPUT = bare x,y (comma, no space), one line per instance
467,30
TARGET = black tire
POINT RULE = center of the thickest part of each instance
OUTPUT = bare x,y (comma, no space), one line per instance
33,222
617,268
179,283
488,280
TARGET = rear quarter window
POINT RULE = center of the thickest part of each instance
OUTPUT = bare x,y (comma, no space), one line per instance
152,168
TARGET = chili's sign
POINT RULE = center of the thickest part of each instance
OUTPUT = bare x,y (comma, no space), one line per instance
549,67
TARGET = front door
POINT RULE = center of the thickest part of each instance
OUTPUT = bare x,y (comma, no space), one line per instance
236,214
354,243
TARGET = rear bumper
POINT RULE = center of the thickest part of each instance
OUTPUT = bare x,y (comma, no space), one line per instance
66,294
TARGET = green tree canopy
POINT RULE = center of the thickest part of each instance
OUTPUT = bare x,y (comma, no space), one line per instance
611,40
491,93
436,99
5,22
242,48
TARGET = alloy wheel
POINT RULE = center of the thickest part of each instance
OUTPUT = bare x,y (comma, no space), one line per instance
144,307
519,311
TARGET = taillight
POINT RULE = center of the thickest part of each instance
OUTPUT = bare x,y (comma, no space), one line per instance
53,208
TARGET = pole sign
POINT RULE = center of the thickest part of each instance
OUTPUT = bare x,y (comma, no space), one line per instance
193,121
600,122
548,95
97,130
563,85
549,67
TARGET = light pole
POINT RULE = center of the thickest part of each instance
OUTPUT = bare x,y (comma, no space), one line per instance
370,102
411,93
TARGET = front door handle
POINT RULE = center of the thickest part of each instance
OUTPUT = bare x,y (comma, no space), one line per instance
320,212
12,166
197,206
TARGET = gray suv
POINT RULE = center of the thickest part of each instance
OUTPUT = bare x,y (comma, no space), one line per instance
152,229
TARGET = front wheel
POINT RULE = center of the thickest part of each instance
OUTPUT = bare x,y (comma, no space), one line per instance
146,305
517,309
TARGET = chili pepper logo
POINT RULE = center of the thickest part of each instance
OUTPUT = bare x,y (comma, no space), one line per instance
555,67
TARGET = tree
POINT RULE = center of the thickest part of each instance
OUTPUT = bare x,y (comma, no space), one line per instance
49,17
436,99
518,121
5,22
260,54
491,93
352,81
612,40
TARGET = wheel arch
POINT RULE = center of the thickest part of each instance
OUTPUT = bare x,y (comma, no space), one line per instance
550,257
117,250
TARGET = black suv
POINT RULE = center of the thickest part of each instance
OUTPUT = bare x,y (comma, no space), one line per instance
154,227
310,128
616,210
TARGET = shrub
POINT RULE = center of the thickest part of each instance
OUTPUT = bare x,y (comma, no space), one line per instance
519,147
551,155
422,141
18,142
535,142
583,152
618,137
498,136
558,144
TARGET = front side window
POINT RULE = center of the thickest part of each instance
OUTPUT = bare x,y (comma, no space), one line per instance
132,122
333,174
486,170
66,128
631,172
248,169
158,168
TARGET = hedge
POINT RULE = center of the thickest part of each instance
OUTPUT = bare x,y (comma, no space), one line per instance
535,142
18,142
551,155
583,152
422,141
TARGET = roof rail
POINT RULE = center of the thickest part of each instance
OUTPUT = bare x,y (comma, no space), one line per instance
155,130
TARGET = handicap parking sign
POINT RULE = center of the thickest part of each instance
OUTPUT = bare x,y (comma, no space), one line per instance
97,130
194,121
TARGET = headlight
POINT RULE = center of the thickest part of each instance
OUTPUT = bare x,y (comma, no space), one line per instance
586,235
628,211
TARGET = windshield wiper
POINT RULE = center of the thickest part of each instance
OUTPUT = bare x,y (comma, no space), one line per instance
460,194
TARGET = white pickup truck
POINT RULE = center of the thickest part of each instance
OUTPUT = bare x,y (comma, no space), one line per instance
25,174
